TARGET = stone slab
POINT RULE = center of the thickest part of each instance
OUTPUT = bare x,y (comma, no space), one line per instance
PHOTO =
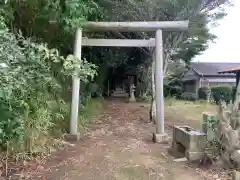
72,137
160,138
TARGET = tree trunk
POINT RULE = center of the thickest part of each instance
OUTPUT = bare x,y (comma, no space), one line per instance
152,112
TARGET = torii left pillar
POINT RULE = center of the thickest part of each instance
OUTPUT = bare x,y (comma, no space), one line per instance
74,134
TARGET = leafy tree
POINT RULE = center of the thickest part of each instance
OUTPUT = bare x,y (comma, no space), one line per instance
54,22
181,45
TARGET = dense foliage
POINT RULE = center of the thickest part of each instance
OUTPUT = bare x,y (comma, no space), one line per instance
217,93
223,93
30,92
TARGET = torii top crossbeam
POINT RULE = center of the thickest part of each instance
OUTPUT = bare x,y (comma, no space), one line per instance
136,26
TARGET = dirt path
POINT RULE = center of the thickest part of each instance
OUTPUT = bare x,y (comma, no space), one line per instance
118,147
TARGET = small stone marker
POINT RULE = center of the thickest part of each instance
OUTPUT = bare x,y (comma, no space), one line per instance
236,175
132,96
208,118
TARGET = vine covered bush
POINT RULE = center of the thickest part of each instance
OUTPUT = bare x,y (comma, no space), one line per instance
29,87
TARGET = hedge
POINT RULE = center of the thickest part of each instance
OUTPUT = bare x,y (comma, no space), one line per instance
222,93
225,93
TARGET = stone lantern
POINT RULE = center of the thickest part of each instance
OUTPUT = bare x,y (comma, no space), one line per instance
132,90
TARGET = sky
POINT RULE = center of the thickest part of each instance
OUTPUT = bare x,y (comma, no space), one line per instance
227,47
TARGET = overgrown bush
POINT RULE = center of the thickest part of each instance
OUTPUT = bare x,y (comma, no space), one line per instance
28,85
173,91
203,92
142,89
188,96
94,89
144,98
222,93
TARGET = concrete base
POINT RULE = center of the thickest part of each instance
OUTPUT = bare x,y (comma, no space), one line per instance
160,138
132,99
72,137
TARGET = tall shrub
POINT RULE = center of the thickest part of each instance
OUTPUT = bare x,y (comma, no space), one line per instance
222,93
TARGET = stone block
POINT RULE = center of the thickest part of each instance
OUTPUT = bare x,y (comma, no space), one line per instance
193,141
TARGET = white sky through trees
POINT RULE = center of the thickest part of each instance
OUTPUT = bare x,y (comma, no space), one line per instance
227,47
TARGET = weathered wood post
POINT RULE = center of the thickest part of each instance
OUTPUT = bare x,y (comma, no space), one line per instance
75,90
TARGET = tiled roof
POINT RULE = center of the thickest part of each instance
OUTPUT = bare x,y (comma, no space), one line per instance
231,70
212,69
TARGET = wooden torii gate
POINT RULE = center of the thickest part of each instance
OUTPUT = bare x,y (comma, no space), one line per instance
158,27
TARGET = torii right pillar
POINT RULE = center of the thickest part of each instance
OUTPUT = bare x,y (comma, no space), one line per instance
159,136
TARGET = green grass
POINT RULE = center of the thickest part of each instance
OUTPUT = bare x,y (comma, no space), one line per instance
188,111
87,113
